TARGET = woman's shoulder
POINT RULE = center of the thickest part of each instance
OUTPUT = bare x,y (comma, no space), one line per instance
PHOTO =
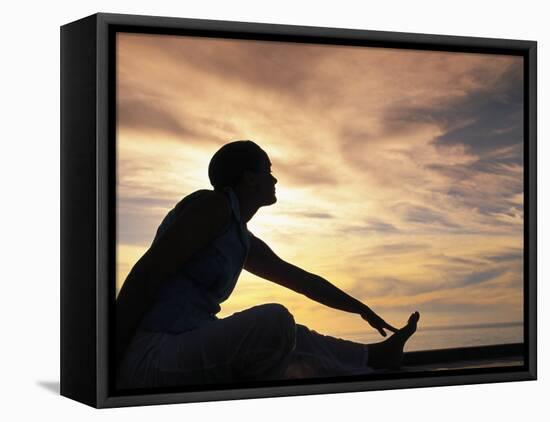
204,205
206,200
196,207
191,227
212,198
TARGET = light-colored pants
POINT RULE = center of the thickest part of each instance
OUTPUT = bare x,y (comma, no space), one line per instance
260,343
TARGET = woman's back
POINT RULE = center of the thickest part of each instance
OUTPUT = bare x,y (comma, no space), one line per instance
193,293
182,238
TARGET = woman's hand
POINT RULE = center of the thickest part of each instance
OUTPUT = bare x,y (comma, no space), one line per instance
377,323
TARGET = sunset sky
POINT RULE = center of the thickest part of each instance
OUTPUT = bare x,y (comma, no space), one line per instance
400,172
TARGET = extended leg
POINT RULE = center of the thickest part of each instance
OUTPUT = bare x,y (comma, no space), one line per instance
318,355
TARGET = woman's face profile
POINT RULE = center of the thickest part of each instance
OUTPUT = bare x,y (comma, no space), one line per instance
264,183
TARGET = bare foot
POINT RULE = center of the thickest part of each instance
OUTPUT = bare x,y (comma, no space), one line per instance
389,354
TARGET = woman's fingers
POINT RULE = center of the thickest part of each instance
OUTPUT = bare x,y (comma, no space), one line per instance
379,324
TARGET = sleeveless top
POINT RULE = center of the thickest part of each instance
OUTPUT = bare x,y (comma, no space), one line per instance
192,296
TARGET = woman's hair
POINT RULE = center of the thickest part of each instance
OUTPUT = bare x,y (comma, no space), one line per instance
230,162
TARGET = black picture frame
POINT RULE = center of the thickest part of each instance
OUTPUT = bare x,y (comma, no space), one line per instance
88,207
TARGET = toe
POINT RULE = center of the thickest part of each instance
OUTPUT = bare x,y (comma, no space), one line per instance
414,317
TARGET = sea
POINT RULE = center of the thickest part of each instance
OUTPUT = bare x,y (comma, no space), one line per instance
445,337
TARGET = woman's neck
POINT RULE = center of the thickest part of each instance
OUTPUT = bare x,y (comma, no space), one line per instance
247,207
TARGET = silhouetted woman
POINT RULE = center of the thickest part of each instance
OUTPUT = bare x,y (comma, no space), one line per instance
167,332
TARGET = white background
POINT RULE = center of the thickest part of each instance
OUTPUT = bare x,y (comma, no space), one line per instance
29,271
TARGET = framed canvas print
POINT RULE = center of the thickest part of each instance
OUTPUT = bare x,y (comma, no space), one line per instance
253,210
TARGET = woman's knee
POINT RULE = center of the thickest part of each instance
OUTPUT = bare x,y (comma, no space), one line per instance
277,313
269,341
277,322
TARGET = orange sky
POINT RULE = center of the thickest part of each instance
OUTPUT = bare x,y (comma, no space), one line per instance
400,172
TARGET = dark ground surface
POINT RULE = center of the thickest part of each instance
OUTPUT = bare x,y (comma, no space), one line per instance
503,355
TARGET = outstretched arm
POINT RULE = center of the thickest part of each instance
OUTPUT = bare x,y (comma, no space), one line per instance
263,262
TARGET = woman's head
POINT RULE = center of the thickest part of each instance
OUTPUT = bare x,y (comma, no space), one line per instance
243,166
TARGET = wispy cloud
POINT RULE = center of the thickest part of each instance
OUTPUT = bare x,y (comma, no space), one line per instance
371,225
420,214
304,172
400,172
